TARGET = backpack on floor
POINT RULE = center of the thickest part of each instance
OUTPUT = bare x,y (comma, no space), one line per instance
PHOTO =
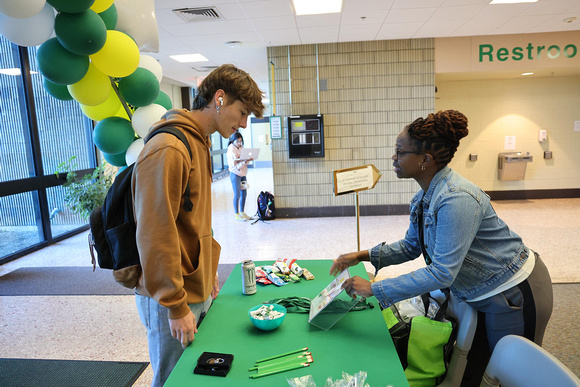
113,230
266,207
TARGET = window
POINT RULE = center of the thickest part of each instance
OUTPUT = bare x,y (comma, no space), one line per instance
37,133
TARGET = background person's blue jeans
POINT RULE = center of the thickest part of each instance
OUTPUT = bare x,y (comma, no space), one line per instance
239,193
164,349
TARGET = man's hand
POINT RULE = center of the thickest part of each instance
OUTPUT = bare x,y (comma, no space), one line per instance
184,328
216,287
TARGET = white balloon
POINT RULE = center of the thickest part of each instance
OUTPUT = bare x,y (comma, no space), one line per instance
133,151
149,63
146,116
21,9
137,19
31,31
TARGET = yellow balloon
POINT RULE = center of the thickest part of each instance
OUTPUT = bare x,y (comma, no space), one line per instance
107,109
122,113
101,5
119,57
93,89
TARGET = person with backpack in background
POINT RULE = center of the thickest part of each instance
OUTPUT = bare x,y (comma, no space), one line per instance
466,246
178,254
238,171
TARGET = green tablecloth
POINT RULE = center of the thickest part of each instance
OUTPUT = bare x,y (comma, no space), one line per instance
360,341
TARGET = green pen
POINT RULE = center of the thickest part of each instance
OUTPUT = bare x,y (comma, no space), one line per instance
282,355
278,370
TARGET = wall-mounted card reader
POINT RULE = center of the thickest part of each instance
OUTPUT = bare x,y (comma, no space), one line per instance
306,136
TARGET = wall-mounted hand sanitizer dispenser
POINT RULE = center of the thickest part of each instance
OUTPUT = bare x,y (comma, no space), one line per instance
306,136
542,135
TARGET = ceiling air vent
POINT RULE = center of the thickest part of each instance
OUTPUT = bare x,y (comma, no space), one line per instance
198,14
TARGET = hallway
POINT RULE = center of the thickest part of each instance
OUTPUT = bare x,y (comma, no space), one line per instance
108,328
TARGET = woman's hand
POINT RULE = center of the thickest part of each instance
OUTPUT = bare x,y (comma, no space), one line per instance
347,260
357,286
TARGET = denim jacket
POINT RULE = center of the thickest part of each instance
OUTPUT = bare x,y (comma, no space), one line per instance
472,250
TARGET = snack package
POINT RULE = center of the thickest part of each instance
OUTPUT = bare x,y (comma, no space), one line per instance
276,280
291,263
263,281
294,278
307,274
284,269
260,272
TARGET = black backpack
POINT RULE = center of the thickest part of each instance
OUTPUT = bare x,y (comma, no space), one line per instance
113,230
266,207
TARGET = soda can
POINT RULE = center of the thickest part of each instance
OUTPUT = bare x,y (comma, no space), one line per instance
248,277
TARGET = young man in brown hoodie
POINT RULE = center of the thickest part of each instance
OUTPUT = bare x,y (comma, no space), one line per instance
178,254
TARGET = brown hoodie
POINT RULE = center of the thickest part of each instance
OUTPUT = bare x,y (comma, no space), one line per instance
178,253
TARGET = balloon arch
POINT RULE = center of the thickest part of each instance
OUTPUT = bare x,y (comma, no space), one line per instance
95,59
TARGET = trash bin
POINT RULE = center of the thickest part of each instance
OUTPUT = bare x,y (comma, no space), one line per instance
512,165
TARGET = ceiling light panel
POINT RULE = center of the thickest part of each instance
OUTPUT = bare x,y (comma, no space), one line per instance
310,7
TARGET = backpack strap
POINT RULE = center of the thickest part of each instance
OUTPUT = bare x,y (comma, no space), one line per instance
187,204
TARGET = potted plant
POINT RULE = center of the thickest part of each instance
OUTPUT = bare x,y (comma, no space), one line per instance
84,194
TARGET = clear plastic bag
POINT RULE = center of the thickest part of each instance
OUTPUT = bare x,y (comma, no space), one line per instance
303,381
414,307
356,380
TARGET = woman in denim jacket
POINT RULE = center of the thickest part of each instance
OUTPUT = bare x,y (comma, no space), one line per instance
466,247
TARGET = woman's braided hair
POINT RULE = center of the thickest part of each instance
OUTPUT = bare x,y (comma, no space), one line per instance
439,134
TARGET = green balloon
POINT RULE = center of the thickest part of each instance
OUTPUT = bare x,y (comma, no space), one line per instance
57,91
81,33
59,65
71,6
113,135
110,16
116,160
140,88
164,100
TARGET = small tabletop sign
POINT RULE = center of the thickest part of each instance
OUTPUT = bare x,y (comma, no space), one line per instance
355,179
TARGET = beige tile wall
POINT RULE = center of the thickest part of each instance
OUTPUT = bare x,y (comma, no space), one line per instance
517,107
373,90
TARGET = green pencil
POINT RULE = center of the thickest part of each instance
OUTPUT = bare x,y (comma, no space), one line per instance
281,359
300,359
278,370
281,355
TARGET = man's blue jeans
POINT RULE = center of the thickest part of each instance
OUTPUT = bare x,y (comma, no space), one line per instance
164,349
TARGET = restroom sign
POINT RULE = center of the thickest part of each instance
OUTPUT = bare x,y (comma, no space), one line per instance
355,179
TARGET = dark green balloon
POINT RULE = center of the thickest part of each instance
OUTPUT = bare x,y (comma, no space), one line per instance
59,65
81,33
71,6
116,160
164,100
110,16
113,135
57,91
140,88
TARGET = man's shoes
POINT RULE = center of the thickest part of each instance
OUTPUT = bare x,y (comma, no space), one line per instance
240,218
245,216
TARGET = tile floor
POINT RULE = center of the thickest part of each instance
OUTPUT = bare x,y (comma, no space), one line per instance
108,328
